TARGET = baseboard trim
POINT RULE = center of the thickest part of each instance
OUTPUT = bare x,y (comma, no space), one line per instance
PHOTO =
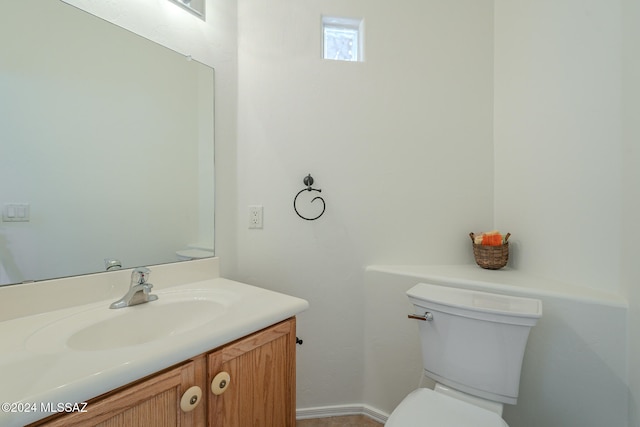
341,410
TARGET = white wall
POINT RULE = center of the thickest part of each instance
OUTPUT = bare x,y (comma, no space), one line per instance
557,124
400,146
631,194
566,147
557,127
569,109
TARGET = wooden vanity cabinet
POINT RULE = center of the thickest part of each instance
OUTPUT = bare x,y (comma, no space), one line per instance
259,392
152,401
261,389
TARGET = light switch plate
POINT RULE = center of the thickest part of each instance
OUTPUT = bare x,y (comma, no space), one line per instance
16,212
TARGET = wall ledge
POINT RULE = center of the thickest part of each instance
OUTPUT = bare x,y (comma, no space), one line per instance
506,280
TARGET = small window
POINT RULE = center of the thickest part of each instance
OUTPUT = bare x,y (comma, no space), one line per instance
342,39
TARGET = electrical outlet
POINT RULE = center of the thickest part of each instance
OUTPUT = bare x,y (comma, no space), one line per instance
255,216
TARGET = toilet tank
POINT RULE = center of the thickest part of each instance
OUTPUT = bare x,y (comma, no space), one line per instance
475,341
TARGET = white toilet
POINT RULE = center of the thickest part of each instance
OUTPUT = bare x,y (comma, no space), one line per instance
472,346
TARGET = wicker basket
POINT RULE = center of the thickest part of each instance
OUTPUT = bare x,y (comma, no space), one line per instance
491,257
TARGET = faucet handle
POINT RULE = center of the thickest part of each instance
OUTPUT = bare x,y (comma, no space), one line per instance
140,275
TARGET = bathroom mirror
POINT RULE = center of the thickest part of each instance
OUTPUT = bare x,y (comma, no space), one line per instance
106,146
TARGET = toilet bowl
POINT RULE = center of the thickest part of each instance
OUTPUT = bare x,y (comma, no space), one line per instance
472,345
426,407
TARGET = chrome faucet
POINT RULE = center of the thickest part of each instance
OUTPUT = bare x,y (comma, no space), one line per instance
139,290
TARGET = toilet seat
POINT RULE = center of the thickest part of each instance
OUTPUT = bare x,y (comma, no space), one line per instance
424,407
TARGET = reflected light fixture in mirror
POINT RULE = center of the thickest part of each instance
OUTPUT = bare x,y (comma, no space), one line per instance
194,6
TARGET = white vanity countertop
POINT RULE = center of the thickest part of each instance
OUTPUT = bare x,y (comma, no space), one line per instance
62,375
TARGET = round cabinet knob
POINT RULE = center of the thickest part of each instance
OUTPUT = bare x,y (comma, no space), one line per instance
220,383
191,398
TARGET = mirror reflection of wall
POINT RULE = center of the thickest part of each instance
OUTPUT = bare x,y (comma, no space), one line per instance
107,137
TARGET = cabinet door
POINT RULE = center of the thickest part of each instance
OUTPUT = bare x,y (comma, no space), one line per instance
261,389
153,401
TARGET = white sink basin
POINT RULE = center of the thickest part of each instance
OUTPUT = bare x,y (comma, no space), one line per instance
101,328
148,323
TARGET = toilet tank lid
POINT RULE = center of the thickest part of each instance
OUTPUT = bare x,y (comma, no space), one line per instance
478,301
